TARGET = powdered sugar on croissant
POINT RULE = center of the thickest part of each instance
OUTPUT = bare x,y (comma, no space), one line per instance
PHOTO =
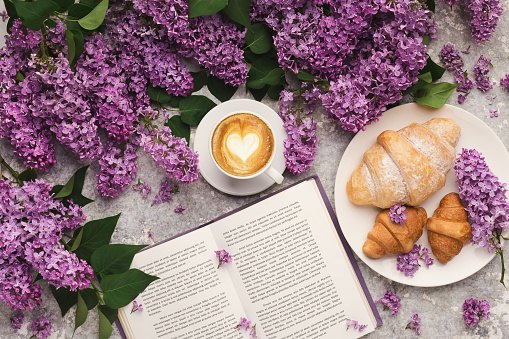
407,166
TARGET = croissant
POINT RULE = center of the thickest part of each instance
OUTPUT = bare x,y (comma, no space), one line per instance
448,228
407,166
388,237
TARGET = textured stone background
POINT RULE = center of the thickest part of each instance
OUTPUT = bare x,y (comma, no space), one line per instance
439,308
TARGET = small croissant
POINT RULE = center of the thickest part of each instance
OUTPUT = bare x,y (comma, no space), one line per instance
388,237
448,228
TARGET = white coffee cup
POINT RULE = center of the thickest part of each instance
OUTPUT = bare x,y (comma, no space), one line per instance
238,143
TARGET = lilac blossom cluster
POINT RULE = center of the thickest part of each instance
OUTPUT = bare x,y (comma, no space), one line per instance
505,81
415,324
142,187
481,70
41,328
246,324
300,146
17,321
355,324
136,307
397,214
484,198
368,51
223,257
484,17
391,302
117,168
474,310
408,263
32,224
165,193
453,62
179,209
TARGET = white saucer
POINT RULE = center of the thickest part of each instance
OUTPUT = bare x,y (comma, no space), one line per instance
206,165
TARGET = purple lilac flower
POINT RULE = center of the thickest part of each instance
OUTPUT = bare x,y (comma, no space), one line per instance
491,99
252,333
493,112
414,324
171,153
300,147
481,70
17,321
505,81
355,324
465,83
462,98
32,223
41,327
224,258
243,323
118,169
451,58
143,187
408,263
451,2
150,234
391,302
484,198
474,310
467,51
136,307
398,214
484,17
4,16
165,193
179,209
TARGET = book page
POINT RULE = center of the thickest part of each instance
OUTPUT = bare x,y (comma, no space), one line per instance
192,298
291,272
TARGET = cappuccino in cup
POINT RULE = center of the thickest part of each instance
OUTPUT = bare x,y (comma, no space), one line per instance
242,145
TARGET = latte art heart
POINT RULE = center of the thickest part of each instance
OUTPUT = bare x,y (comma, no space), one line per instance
242,144
243,147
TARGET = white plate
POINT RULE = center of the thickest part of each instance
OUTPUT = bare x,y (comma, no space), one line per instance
207,168
356,221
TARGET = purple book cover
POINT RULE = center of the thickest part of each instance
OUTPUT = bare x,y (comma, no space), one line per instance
334,219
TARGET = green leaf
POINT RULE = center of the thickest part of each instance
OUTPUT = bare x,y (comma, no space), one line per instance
77,186
50,23
193,108
81,312
105,328
431,5
199,80
259,70
64,5
258,94
159,94
64,297
95,18
75,44
238,11
275,91
19,76
33,14
274,77
425,40
424,79
259,38
205,7
11,10
219,89
434,95
113,258
96,233
77,242
435,70
305,76
175,102
78,11
90,297
30,174
178,128
66,189
110,313
90,3
120,289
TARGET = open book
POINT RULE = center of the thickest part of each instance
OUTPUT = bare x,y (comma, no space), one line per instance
292,274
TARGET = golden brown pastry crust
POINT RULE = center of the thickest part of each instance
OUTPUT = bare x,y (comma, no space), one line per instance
407,166
448,228
387,237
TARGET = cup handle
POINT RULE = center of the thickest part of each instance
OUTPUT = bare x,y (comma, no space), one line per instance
274,175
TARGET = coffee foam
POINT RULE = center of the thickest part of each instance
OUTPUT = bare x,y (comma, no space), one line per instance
242,144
